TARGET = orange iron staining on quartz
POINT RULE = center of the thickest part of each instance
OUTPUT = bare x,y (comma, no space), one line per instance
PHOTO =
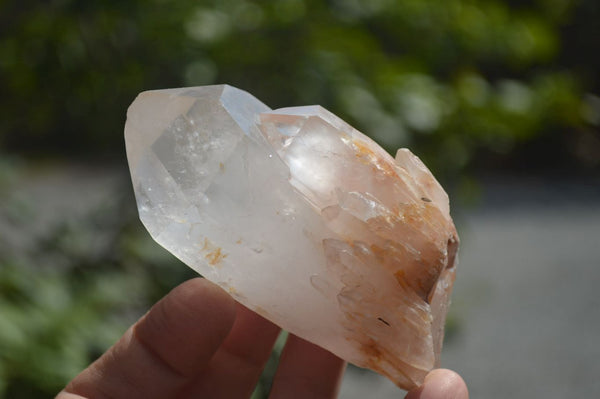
303,219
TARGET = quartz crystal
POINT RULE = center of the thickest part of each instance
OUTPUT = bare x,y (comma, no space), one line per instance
302,218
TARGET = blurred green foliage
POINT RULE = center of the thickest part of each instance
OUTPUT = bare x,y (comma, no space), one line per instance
468,85
459,81
69,290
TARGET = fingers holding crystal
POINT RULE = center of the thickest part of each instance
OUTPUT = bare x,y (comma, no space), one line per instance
307,371
236,367
167,347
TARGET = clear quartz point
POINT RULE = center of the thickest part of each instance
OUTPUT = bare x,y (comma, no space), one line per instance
302,218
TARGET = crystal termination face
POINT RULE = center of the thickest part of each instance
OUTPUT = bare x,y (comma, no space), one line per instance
302,218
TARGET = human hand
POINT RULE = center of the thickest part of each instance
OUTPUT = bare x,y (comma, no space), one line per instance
197,342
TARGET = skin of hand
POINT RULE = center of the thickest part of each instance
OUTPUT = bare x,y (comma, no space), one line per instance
197,342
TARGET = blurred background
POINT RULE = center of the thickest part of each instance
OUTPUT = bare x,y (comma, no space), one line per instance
501,99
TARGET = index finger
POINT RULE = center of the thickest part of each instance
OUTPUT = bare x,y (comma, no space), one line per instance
164,349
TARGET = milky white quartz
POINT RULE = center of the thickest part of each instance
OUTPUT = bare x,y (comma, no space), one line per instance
301,218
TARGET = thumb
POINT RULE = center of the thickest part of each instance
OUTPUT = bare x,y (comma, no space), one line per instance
441,384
